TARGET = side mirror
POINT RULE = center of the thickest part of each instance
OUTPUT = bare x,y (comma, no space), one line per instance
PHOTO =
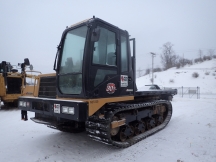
95,35
26,61
31,67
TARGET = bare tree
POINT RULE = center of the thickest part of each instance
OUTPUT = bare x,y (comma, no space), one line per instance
211,52
157,69
147,71
207,58
183,61
200,53
168,56
139,72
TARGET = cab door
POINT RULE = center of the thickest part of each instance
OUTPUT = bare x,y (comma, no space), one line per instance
109,72
104,70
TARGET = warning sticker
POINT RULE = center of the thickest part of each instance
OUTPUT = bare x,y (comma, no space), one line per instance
124,80
57,108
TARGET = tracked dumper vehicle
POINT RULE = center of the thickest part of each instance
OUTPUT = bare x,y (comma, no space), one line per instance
94,88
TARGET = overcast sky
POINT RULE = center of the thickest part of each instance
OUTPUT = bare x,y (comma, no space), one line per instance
33,28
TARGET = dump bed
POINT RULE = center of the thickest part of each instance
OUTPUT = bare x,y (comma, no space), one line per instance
156,92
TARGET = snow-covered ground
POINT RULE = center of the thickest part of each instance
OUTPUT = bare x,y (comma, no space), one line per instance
190,136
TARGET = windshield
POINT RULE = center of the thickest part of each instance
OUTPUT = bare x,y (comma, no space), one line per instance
70,74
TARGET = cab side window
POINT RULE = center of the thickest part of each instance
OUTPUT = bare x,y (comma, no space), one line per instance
105,49
124,58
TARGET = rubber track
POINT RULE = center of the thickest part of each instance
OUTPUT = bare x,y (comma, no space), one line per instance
99,129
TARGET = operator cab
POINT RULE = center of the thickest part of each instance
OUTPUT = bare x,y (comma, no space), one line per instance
94,61
5,67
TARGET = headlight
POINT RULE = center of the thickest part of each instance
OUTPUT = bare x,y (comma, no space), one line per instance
27,104
64,109
24,104
21,103
71,110
67,110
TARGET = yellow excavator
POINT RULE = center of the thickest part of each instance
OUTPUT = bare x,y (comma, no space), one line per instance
13,83
94,88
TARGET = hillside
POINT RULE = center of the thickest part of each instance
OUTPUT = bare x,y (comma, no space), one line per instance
183,77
